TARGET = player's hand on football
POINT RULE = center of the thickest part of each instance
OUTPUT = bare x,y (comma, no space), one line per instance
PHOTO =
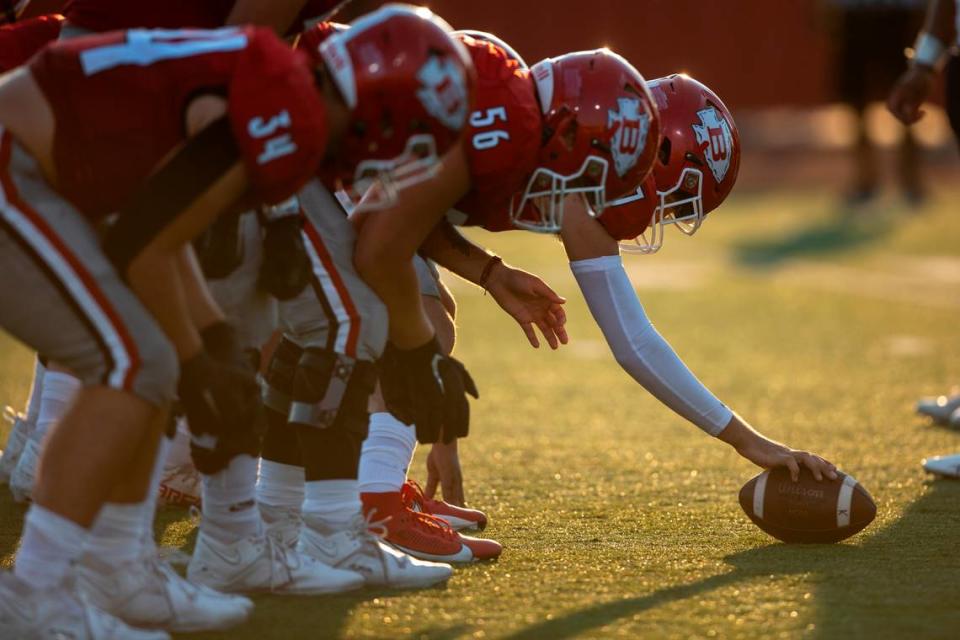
768,454
443,470
531,303
909,94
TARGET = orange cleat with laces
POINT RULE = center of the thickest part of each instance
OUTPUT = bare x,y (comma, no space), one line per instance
422,535
460,518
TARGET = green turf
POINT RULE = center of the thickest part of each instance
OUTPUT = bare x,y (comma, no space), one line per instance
618,519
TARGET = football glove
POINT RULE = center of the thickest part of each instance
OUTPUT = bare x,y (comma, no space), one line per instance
422,386
285,270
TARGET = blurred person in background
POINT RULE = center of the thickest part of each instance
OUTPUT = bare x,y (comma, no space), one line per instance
870,37
935,50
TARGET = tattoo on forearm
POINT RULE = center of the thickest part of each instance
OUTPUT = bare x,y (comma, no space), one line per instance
456,240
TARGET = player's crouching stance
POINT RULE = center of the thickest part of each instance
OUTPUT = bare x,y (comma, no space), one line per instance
587,127
321,375
58,143
695,170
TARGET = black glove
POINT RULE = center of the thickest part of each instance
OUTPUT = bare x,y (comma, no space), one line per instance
221,342
286,268
219,249
218,398
424,387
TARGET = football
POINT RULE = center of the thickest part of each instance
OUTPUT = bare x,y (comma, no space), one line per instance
807,511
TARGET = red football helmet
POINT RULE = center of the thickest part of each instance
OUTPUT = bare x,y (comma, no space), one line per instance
409,87
489,37
698,161
601,134
627,218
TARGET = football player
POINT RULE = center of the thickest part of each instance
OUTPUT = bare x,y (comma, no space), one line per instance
503,150
120,312
696,167
929,56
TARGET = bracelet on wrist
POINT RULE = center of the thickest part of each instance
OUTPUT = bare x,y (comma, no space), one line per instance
488,269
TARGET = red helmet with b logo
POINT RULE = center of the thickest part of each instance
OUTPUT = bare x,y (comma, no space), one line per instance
409,87
601,134
699,156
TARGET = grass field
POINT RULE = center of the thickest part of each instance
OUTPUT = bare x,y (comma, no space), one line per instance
619,519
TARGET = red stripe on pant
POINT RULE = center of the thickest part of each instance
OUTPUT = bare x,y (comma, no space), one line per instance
339,285
88,281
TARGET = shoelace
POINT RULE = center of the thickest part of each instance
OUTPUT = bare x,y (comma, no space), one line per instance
365,526
433,525
412,494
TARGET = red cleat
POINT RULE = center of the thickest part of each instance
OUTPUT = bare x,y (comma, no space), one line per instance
460,518
422,535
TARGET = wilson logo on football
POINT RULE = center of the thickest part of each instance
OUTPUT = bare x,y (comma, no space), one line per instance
630,129
443,92
714,137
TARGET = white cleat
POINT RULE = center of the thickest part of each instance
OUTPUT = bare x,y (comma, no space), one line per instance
282,524
56,614
939,408
180,486
261,564
149,593
944,466
24,475
360,550
19,434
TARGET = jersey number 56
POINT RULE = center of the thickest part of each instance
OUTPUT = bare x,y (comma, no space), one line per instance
492,137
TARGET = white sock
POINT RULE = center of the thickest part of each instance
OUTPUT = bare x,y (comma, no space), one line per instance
331,504
33,401
386,454
280,485
117,536
57,393
153,490
229,501
179,454
49,547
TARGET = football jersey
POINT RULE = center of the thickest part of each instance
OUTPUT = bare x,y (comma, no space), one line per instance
119,100
20,40
112,15
502,137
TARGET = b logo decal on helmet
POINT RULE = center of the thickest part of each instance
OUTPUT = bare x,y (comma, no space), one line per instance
444,92
630,128
714,135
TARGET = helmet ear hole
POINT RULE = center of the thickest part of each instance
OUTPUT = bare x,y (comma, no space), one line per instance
665,148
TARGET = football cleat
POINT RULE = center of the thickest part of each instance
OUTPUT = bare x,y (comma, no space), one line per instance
19,434
460,518
944,466
282,524
149,593
58,613
24,475
358,548
260,564
180,486
939,408
422,535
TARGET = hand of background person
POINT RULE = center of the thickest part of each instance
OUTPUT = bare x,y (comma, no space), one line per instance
910,92
443,471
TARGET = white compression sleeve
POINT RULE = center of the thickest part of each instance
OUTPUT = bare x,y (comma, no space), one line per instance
640,349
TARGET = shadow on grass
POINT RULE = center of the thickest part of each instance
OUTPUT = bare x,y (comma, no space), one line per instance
842,232
902,582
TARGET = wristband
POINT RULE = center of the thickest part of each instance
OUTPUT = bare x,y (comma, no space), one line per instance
488,269
928,51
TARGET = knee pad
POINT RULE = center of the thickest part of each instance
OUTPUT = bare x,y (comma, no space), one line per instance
278,381
331,390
